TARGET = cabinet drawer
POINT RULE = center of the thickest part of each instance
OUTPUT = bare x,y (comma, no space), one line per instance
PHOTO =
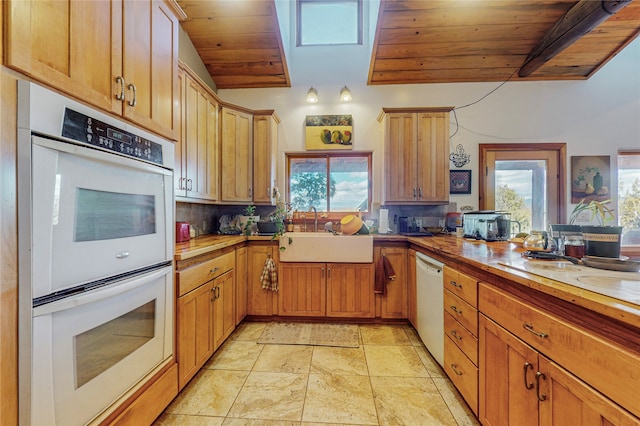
612,369
196,275
463,339
463,312
462,372
462,285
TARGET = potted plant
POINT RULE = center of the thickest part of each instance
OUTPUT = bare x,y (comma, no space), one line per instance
247,222
600,240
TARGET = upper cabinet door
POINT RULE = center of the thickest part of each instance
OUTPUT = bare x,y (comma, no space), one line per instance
150,66
433,157
400,158
74,46
265,147
236,155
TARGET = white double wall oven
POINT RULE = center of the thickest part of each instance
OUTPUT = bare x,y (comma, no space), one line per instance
95,215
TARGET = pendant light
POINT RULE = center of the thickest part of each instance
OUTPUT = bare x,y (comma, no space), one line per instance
312,96
345,94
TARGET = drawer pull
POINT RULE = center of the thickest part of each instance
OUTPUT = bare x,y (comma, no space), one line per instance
455,284
456,335
529,327
213,294
214,270
454,367
455,309
542,397
526,367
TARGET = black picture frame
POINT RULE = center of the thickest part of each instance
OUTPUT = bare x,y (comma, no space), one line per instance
459,181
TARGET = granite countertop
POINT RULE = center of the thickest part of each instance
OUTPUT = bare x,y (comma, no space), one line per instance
616,298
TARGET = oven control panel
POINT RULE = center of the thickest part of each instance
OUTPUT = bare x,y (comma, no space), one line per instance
83,128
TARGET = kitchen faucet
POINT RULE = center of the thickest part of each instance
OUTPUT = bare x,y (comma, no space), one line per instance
315,217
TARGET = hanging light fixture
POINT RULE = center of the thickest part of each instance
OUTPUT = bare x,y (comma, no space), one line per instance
345,94
312,96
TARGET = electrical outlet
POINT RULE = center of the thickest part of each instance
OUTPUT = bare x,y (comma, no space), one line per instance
441,223
419,222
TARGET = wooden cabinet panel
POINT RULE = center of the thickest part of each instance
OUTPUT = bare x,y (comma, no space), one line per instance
101,51
236,145
412,294
464,313
463,374
463,338
194,331
265,150
394,304
350,290
259,301
224,321
241,284
413,139
507,370
462,285
302,289
588,356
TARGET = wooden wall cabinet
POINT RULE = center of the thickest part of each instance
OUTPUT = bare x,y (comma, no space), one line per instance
260,302
196,171
461,333
394,304
119,56
205,310
236,143
265,155
519,384
416,155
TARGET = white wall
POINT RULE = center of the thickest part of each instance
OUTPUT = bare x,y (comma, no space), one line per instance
594,117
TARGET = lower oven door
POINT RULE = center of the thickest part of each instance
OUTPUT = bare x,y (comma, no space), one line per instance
89,350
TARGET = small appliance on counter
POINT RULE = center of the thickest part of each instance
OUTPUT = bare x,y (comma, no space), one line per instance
454,220
488,225
182,232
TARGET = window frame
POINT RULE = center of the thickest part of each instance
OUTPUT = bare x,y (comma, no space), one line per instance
633,251
559,197
299,30
328,155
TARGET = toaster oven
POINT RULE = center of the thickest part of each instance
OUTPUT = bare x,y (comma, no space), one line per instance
487,225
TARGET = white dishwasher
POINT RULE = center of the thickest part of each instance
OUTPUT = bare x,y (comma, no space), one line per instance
429,312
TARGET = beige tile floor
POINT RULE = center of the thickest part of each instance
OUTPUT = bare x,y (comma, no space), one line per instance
390,379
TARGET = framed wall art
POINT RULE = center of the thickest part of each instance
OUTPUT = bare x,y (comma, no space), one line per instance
328,132
460,182
590,176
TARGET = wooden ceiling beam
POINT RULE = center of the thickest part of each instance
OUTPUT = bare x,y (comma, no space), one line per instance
583,17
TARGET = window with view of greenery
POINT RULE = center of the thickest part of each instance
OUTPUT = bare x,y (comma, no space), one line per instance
328,22
330,182
629,197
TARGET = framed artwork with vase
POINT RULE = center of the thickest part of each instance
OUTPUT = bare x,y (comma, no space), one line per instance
590,177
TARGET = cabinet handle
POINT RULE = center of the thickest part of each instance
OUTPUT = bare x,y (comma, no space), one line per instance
529,327
456,335
329,273
132,87
542,397
322,273
250,192
189,185
420,192
455,309
454,367
269,193
214,270
213,294
120,96
526,367
414,192
455,284
217,289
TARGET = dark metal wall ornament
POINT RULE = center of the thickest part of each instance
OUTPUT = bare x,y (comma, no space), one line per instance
459,157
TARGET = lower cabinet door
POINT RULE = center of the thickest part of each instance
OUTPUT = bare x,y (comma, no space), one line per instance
350,290
224,321
194,330
302,289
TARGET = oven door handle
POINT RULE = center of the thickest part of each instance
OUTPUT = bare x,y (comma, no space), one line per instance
105,292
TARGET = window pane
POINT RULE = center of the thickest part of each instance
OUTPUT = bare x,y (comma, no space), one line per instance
521,189
629,198
328,22
308,183
351,177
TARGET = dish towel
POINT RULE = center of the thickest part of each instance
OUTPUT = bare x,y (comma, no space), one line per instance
384,273
269,277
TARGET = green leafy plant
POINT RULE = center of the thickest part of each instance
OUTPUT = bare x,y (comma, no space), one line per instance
599,210
249,212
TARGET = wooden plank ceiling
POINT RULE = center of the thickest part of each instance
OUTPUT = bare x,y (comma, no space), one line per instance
416,41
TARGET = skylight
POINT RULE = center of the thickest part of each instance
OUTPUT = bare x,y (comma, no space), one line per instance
328,22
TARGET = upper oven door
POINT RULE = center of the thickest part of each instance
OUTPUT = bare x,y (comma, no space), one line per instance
95,215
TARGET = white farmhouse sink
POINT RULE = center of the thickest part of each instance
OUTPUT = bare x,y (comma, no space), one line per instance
325,247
